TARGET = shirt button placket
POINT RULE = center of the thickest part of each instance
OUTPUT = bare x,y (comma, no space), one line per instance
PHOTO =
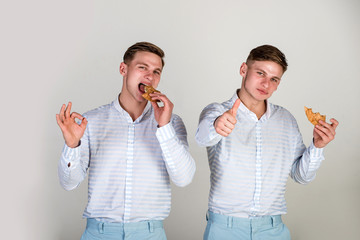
129,171
258,168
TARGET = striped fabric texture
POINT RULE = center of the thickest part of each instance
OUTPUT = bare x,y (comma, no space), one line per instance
250,167
129,164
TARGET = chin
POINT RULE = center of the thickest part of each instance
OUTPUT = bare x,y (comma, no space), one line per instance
141,100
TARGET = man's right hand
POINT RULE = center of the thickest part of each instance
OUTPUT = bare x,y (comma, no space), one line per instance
226,122
71,130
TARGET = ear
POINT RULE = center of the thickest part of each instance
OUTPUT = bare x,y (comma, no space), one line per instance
123,69
243,69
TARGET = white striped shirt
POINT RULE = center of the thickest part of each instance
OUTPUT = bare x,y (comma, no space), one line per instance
250,167
130,164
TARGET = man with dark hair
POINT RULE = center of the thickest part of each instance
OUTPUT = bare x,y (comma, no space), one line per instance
252,147
131,149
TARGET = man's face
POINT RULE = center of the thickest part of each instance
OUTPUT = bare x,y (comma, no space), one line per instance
260,79
144,69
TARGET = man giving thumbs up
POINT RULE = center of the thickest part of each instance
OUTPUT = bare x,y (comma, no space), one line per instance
252,147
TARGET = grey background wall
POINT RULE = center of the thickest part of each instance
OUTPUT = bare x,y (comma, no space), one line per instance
58,51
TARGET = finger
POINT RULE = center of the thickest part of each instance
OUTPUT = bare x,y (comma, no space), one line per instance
222,132
325,130
62,112
159,96
229,126
226,127
225,120
167,104
157,99
326,126
230,118
154,103
68,109
335,123
325,134
83,123
322,135
329,132
76,115
235,107
58,120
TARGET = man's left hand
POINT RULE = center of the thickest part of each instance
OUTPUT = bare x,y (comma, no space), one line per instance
324,132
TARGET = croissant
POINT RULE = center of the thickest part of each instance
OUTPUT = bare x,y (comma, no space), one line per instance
148,90
314,117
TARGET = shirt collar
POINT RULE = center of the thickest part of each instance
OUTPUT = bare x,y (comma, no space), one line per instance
244,109
145,114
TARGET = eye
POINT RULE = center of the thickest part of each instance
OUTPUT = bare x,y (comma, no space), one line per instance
158,73
260,73
274,80
142,67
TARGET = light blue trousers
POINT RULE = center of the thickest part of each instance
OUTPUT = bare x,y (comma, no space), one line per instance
149,230
220,227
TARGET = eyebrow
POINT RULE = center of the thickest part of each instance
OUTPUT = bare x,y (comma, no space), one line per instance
147,65
276,78
260,69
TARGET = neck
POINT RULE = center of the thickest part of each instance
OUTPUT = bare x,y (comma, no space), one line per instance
133,108
257,107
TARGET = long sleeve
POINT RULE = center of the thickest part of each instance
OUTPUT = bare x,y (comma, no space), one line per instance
206,134
305,166
73,164
175,150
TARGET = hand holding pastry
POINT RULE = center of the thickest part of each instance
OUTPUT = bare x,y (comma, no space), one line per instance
323,131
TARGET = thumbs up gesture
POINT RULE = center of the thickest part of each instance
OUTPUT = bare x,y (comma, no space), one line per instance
225,123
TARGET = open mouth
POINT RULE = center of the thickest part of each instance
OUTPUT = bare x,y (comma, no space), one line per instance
142,88
146,91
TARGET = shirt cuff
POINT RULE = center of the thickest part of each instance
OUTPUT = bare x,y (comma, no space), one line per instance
69,155
315,152
165,133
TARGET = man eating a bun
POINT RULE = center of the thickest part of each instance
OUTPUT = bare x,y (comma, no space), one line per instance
130,149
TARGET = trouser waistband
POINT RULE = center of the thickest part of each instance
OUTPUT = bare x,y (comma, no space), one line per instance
116,227
235,222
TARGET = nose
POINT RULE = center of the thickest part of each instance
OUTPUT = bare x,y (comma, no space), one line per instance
265,82
149,76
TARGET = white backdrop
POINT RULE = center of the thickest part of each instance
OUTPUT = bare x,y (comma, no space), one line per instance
53,52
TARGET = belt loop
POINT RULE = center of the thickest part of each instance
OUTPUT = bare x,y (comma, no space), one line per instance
101,227
229,222
151,226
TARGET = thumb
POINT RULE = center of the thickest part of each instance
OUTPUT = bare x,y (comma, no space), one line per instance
83,123
235,107
154,104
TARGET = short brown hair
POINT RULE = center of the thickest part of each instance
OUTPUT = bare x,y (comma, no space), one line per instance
143,47
268,53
